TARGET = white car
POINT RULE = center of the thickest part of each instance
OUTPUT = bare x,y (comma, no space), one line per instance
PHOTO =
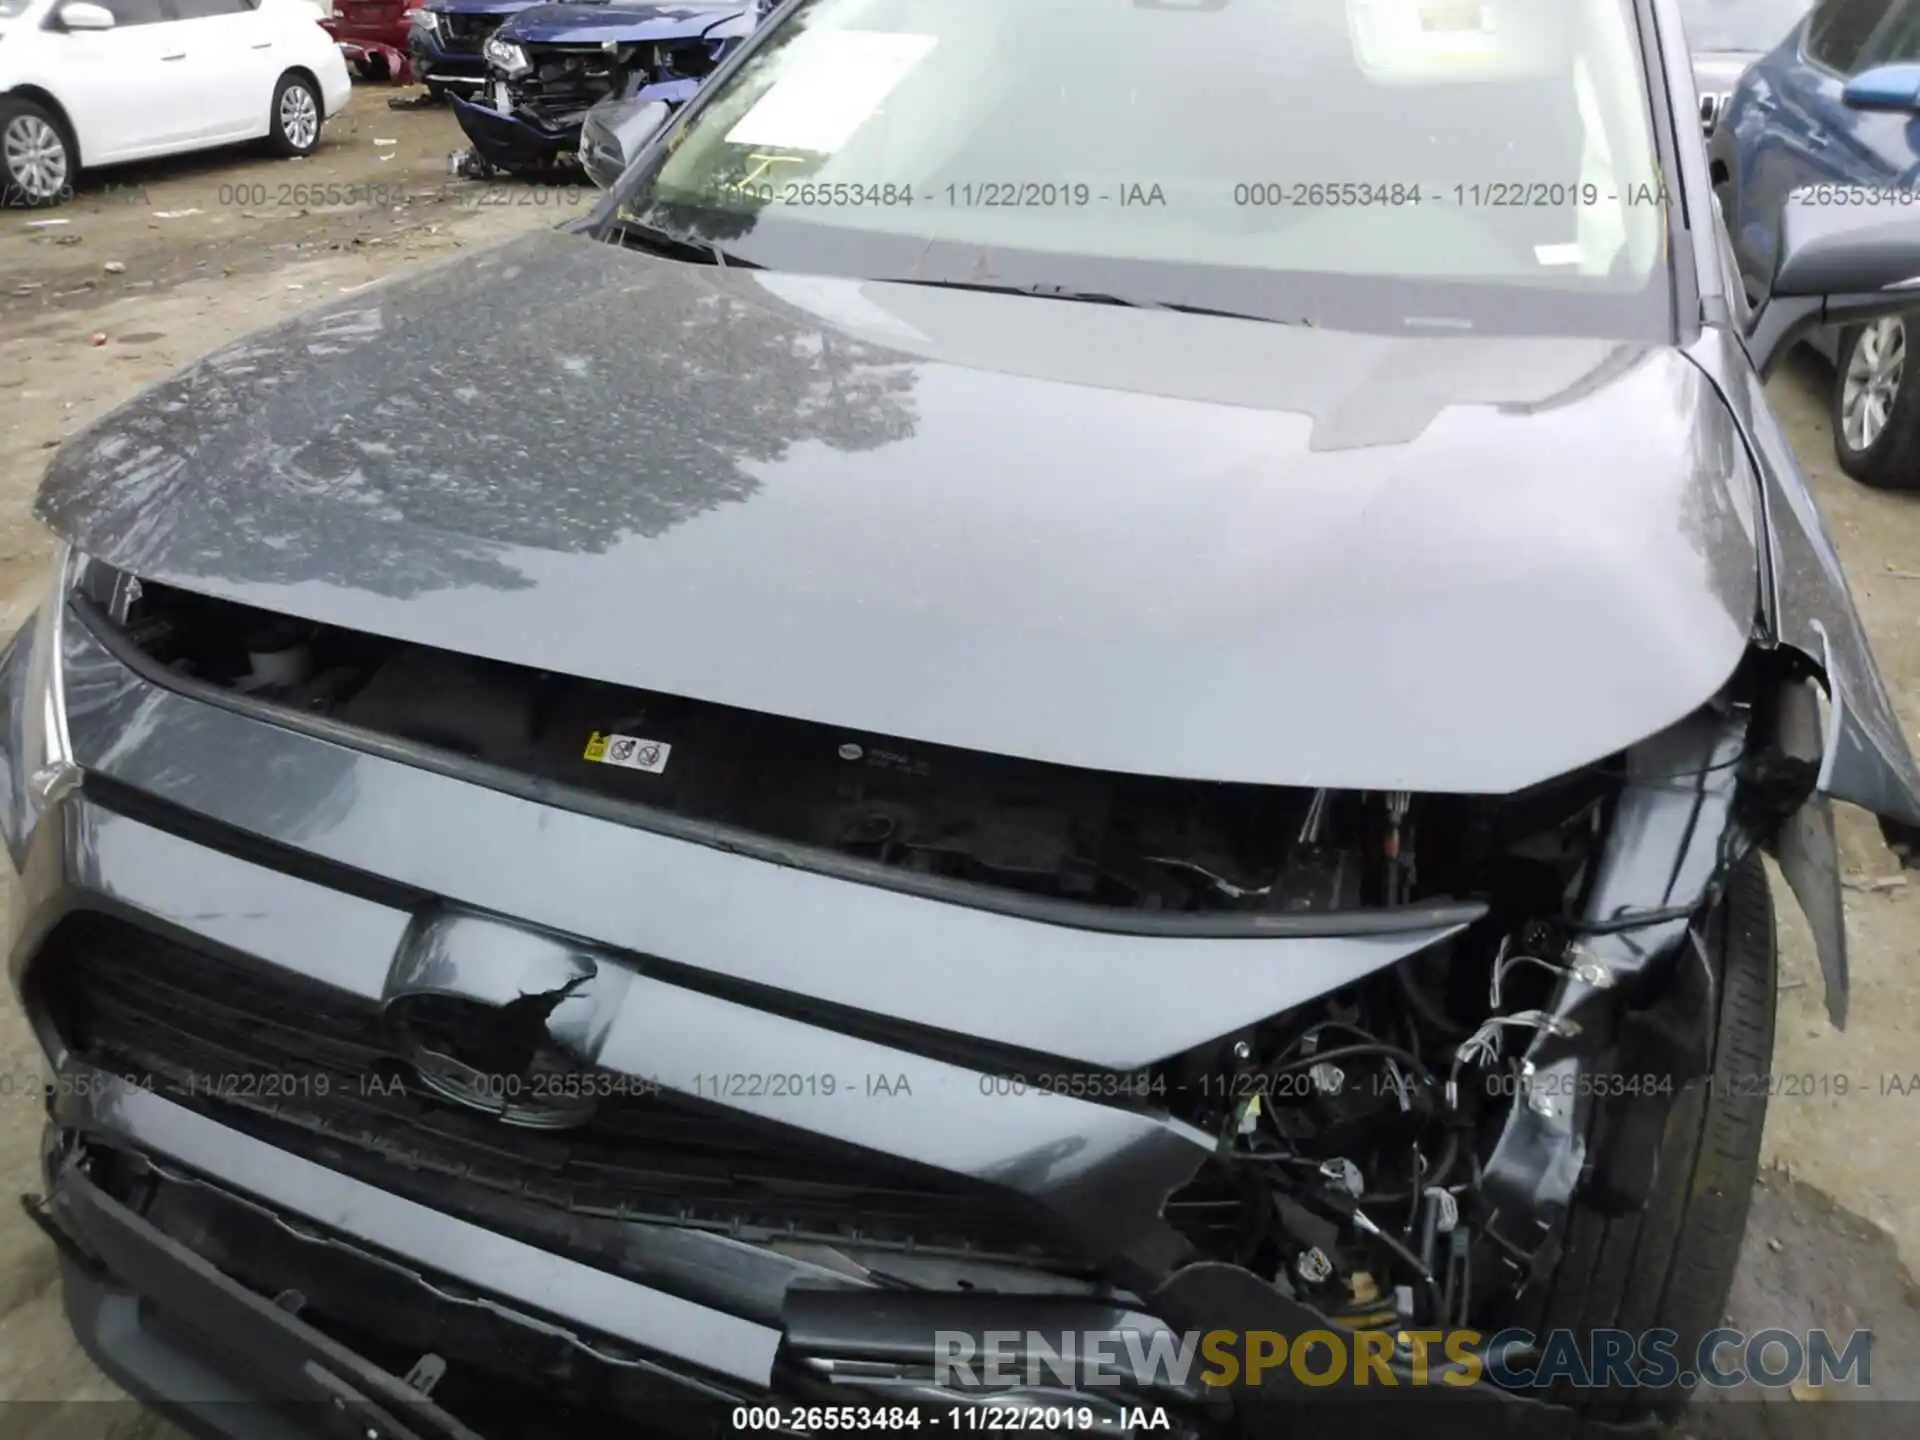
101,82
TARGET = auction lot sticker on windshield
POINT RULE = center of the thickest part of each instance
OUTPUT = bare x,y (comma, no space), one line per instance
1423,39
831,82
628,751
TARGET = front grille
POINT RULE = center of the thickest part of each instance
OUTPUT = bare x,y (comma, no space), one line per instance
467,32
566,79
317,1078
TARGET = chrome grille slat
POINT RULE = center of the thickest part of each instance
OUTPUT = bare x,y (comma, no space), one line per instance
170,1016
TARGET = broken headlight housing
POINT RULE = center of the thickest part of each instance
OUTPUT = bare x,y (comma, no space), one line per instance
508,58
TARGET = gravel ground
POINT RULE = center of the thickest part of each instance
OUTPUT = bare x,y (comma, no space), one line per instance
155,265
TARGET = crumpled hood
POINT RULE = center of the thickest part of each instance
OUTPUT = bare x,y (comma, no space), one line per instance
576,23
1126,539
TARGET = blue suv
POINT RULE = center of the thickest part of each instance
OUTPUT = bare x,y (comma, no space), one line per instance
1836,104
449,38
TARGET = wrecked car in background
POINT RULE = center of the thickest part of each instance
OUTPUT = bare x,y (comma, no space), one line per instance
448,38
549,65
675,812
373,37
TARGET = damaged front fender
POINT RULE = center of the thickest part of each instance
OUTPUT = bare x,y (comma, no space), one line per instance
1866,759
1804,843
1808,610
1809,623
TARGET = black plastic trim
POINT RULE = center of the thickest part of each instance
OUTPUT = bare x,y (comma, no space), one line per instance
1395,920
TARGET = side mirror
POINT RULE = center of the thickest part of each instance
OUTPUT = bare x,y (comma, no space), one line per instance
615,131
1885,87
1838,265
80,15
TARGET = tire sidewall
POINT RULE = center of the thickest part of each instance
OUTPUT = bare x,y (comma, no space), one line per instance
1670,1267
1893,460
277,132
12,195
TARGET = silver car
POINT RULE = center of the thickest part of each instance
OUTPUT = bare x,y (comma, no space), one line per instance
1025,697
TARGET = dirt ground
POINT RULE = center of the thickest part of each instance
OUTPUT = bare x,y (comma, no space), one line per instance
168,259
155,265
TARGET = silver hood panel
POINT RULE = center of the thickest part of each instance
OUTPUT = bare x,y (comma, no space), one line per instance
1130,540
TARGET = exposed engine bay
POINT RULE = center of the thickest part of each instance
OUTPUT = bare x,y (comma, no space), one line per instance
1120,841
566,81
1353,1135
1394,1152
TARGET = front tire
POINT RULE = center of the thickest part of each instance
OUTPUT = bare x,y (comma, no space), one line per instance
294,124
1671,1266
38,161
1876,405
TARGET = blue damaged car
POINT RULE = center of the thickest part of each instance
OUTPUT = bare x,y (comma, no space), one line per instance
549,65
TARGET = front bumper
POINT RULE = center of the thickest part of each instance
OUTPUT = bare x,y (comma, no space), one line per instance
377,48
436,64
287,1329
257,1336
290,856
514,143
218,1359
290,1329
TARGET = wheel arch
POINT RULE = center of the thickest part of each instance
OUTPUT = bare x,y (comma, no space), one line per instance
305,75
304,72
47,101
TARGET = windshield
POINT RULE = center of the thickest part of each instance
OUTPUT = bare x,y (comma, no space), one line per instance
1740,25
11,8
1390,162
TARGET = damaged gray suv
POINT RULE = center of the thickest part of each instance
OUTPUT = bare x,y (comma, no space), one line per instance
1025,691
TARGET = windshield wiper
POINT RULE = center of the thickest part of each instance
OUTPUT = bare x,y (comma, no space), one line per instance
637,236
1094,297
1232,314
1037,292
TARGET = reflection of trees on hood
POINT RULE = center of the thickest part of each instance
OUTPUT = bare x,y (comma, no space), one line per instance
555,394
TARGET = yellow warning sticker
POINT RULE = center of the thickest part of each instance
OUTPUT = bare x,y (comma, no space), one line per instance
628,751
